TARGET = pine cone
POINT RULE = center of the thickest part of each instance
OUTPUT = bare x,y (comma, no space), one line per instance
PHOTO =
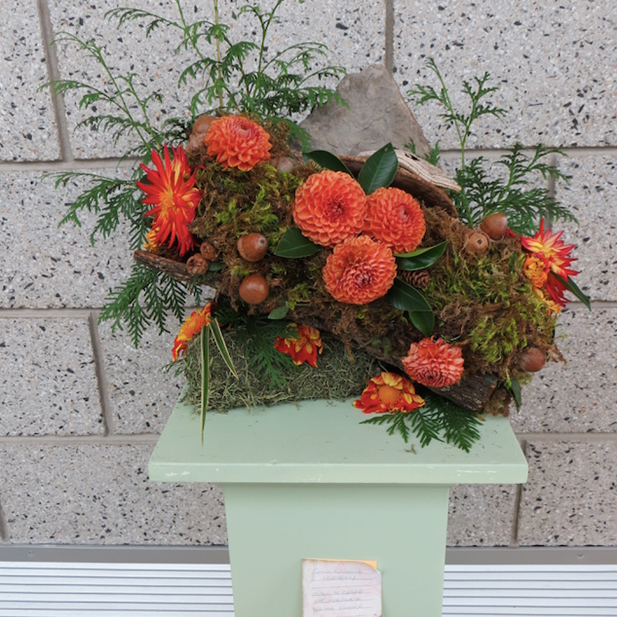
417,278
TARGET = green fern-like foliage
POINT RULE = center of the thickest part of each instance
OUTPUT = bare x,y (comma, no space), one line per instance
484,191
288,82
438,419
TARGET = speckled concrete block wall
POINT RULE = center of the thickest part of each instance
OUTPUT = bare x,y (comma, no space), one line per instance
79,414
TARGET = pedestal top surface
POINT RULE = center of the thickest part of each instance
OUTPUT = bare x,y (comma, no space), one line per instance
323,442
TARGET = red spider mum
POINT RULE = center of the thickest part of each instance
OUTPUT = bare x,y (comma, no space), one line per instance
359,271
173,194
395,218
434,363
547,248
389,392
302,348
330,207
192,325
238,142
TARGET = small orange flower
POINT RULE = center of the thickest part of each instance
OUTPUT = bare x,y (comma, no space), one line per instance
303,347
387,393
359,271
238,142
329,208
172,191
535,271
552,308
192,325
547,247
395,218
434,363
150,244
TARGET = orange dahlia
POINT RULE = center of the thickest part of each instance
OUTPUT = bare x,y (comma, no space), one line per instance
192,325
173,194
238,142
330,207
302,348
434,363
395,218
389,392
547,248
359,271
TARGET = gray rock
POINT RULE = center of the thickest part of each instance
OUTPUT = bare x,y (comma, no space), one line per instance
377,114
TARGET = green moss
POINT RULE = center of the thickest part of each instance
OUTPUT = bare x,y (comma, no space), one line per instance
336,377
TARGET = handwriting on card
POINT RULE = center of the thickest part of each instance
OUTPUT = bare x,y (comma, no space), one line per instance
340,588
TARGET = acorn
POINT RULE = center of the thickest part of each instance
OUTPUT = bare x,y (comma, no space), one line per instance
252,247
495,225
208,251
254,289
532,360
477,242
197,265
202,124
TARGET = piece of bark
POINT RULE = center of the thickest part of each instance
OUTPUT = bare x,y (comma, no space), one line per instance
175,269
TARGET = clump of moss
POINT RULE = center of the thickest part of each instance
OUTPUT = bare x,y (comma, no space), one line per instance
336,376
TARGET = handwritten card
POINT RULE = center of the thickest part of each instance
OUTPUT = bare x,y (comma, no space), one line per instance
340,588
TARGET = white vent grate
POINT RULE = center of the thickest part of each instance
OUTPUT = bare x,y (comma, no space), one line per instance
171,590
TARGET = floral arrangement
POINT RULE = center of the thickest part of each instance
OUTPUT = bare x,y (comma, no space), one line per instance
351,276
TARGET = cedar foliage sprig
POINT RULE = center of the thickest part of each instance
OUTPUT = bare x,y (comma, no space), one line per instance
257,334
277,87
438,419
481,193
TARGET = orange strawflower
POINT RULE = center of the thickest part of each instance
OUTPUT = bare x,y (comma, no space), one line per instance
238,142
548,248
434,363
359,271
150,244
302,348
172,191
552,307
387,393
329,208
535,271
395,218
192,325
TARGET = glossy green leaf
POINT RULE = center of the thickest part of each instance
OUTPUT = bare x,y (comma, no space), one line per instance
205,375
215,266
294,245
327,160
406,298
515,390
222,347
422,258
279,312
571,286
379,170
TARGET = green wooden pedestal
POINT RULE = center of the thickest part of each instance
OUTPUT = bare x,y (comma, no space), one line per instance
309,481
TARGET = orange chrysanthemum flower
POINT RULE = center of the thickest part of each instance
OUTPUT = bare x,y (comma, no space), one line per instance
192,325
395,218
359,271
302,348
434,363
238,142
172,191
387,393
550,249
330,207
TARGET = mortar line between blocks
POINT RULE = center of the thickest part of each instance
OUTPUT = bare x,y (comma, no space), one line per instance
75,440
54,313
101,376
561,437
47,34
518,496
4,526
389,36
